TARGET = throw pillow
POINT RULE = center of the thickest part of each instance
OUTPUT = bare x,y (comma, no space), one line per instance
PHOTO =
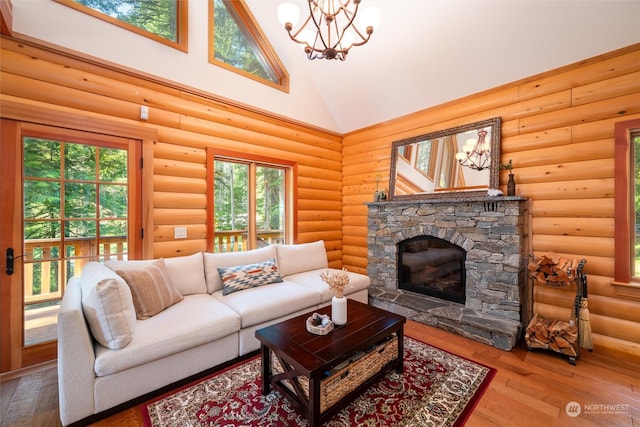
152,289
248,276
212,261
107,306
185,271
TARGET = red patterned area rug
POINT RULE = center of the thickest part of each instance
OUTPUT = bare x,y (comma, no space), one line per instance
437,388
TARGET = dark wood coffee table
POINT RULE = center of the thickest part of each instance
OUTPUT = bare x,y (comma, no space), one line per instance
354,355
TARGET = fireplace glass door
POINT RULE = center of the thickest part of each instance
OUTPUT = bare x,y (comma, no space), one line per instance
432,266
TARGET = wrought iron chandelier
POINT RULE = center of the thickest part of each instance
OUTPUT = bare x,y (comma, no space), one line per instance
476,154
329,31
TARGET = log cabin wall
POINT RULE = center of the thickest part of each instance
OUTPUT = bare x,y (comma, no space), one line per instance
186,124
558,129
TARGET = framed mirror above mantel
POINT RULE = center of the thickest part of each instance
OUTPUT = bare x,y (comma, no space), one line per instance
462,161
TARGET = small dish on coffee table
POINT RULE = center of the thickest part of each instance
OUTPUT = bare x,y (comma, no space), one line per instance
319,324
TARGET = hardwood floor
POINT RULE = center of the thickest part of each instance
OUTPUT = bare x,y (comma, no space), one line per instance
529,389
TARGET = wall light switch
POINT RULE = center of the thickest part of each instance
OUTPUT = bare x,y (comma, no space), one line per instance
180,233
144,112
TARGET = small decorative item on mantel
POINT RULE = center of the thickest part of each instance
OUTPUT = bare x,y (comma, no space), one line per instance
379,195
511,184
337,281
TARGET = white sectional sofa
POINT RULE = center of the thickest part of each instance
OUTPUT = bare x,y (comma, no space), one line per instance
107,355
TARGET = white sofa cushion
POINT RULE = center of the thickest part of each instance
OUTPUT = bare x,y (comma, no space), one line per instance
107,305
187,272
312,280
229,259
294,259
152,289
197,320
258,305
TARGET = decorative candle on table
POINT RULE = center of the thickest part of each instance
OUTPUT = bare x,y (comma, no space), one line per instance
337,281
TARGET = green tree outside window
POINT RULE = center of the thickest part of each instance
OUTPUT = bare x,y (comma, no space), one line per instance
158,17
164,21
237,43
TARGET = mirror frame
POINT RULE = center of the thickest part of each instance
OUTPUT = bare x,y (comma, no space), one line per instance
494,169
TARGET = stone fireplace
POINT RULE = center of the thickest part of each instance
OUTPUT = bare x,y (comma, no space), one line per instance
490,235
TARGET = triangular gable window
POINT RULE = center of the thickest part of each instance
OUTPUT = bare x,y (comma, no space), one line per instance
237,43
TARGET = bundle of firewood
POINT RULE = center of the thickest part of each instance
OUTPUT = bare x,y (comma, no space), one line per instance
553,335
553,270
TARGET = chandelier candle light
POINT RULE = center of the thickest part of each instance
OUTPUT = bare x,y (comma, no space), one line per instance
330,29
476,154
337,282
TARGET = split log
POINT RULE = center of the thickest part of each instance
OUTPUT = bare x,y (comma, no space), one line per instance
553,270
552,334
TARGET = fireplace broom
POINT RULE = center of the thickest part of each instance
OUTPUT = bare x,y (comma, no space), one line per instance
586,340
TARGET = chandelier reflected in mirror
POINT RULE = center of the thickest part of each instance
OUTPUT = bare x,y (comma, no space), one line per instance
331,28
476,153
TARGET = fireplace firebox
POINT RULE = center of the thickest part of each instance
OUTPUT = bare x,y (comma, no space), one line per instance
432,266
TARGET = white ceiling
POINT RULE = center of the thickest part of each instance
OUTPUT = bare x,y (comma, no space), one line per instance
424,52
427,52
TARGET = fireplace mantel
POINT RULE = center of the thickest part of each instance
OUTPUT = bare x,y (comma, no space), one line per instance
449,199
493,231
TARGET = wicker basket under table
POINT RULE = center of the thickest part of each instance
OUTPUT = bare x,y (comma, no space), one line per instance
340,382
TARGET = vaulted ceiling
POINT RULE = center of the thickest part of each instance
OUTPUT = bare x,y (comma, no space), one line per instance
423,53
427,52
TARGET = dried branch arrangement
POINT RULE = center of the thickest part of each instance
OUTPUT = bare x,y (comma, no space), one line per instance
553,270
337,281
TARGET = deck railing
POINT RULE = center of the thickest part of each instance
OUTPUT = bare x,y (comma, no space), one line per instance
45,277
236,240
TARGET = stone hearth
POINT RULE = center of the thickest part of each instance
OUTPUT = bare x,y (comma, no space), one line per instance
492,230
